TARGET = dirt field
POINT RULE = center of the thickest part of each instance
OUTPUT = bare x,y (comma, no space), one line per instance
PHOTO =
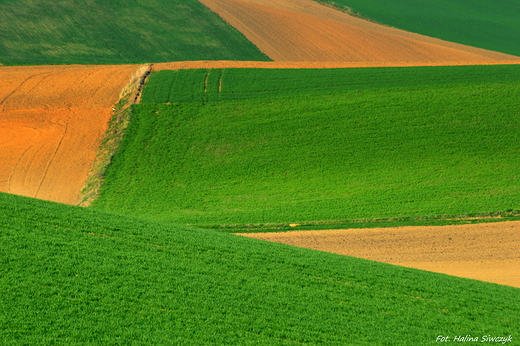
178,65
52,119
303,30
487,252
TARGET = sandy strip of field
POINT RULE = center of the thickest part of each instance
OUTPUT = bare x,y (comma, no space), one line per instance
52,119
183,65
303,30
487,252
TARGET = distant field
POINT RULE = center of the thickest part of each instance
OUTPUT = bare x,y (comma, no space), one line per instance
74,276
116,32
304,30
481,23
295,146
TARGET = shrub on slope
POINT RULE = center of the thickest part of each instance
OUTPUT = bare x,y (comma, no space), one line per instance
116,32
480,23
76,276
295,146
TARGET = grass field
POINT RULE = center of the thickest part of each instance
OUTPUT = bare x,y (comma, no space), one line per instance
481,23
74,276
297,146
116,32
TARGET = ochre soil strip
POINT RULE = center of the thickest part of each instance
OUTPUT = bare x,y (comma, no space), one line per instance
180,65
303,30
487,252
52,119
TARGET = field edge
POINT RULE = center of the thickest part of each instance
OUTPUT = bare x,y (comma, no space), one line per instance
432,220
114,134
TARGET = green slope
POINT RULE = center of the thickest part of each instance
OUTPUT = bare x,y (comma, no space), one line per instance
485,24
116,32
247,146
73,276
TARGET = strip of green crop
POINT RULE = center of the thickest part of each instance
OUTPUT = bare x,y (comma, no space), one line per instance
75,276
481,23
412,143
241,84
116,32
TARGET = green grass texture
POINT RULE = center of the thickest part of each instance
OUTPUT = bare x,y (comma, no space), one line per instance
485,24
116,32
75,276
252,146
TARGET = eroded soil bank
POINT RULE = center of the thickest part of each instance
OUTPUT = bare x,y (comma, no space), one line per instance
487,252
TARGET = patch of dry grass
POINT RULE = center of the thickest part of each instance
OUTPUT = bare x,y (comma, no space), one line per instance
130,95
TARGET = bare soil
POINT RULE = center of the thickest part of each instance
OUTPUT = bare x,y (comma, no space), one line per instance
52,119
303,30
180,65
486,252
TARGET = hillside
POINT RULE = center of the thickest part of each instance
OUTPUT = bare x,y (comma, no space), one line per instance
52,120
116,32
258,146
482,23
74,276
304,30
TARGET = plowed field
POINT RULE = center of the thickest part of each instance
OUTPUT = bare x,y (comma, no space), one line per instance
303,30
486,252
52,119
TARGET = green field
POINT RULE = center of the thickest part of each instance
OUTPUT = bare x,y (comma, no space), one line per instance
116,32
75,276
300,146
485,24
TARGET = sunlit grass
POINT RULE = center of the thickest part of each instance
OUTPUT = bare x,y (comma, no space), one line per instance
116,32
74,276
290,146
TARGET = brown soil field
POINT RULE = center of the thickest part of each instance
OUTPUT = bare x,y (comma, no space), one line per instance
179,65
303,30
52,119
486,252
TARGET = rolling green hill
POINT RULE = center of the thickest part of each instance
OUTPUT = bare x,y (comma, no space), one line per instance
252,146
485,24
116,32
75,276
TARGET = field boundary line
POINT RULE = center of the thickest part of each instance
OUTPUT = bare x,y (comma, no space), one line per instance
326,225
130,95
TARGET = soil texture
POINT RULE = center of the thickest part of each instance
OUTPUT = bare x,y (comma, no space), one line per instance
304,30
52,119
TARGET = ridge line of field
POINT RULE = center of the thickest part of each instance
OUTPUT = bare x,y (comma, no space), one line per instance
484,251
